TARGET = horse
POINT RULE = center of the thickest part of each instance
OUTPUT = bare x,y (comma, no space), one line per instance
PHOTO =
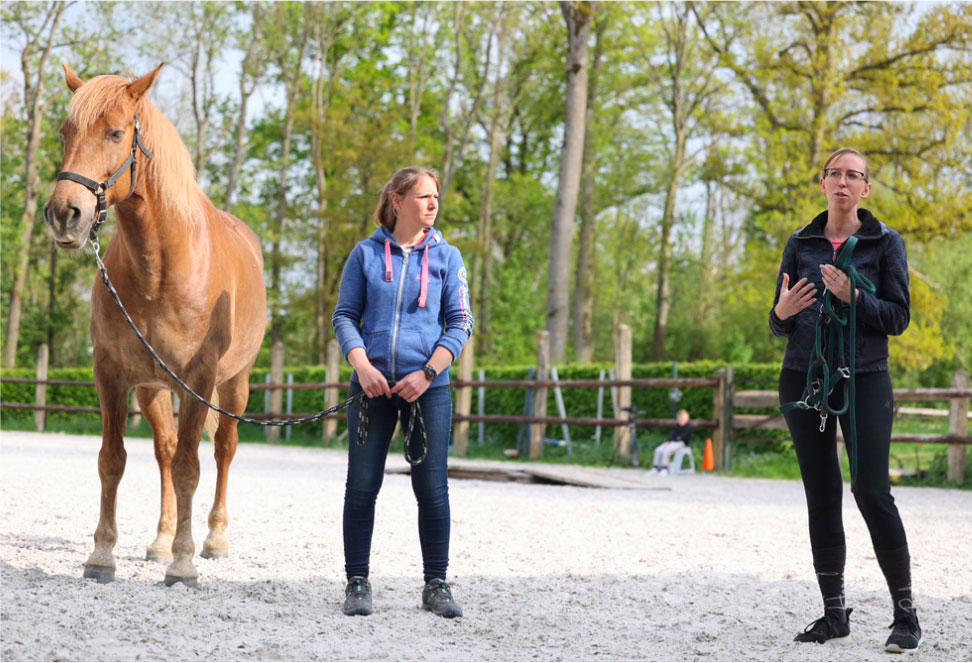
191,278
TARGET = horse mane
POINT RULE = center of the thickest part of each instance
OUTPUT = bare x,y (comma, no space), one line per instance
171,173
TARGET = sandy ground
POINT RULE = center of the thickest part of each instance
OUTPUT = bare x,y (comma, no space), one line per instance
710,569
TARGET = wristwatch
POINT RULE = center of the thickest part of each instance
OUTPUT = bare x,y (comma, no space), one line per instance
430,373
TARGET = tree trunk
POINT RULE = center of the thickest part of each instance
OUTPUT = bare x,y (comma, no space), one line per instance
705,255
293,87
578,18
584,284
322,90
33,94
456,137
249,68
663,298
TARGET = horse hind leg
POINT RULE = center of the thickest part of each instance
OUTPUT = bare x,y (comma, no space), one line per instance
233,395
100,565
156,406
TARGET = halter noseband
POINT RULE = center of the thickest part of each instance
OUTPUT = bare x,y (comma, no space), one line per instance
100,189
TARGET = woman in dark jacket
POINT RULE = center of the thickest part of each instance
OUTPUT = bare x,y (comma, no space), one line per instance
808,267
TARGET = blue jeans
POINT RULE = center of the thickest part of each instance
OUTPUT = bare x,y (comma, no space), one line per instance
430,479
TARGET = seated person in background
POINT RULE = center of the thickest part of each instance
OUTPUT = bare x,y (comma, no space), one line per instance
679,437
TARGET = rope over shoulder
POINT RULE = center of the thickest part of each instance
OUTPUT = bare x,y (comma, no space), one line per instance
829,346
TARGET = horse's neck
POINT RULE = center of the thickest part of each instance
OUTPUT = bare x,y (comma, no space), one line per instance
155,246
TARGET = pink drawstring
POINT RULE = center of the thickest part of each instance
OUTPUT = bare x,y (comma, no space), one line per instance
388,262
424,288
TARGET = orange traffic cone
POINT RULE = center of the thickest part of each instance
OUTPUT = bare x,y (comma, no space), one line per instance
708,461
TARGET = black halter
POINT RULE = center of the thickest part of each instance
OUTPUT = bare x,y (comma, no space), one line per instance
99,189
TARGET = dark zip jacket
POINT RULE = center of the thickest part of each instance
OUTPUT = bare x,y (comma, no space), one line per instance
880,256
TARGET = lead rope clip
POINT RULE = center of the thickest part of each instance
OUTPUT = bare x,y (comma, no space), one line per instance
823,421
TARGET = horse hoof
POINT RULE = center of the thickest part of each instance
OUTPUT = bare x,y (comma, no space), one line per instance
188,582
214,553
158,555
103,574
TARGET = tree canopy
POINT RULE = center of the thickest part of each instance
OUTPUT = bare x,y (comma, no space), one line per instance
704,136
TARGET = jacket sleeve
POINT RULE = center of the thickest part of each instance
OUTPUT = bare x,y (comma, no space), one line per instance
455,306
889,310
787,266
350,305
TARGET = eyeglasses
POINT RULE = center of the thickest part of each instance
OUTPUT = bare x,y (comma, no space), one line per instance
853,176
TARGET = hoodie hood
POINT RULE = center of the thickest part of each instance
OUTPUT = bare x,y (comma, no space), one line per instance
431,238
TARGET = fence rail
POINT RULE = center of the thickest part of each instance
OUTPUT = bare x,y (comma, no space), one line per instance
724,423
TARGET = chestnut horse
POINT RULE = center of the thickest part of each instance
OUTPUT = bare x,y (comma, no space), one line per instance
191,278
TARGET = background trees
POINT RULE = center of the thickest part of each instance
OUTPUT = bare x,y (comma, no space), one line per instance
702,137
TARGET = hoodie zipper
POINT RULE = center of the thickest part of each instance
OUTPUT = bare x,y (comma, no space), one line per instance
398,313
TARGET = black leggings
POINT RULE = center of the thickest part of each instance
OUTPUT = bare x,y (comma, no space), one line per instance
817,453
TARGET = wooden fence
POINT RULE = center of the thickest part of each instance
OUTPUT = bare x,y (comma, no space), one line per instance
724,423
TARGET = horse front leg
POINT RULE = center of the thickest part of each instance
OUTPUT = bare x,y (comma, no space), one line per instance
185,478
111,466
233,395
156,406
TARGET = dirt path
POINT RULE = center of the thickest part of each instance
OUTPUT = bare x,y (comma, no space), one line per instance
713,569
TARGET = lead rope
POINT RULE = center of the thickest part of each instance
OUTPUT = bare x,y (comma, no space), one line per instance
828,341
362,420
414,413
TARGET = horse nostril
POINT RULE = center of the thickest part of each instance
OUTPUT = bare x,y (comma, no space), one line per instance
75,216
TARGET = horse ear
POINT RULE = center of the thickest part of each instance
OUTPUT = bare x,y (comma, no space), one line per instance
72,79
136,89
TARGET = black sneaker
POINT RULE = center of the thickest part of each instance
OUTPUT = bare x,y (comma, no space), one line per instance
827,628
905,634
357,595
437,598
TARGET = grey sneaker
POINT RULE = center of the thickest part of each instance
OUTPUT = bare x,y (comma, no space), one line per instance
437,598
827,628
357,597
905,634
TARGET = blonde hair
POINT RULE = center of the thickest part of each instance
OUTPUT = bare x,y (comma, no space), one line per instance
849,150
400,183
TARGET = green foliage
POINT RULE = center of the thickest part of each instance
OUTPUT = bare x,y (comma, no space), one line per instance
897,87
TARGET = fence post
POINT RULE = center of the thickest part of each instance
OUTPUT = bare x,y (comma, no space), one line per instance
727,409
722,409
331,374
622,363
460,439
276,395
958,424
540,394
40,390
135,420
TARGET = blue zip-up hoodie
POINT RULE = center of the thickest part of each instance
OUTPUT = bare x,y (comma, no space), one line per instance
399,304
880,256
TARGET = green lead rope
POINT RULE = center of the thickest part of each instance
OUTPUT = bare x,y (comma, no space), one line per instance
828,344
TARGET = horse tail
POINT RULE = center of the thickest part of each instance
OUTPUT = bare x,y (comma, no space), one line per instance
212,417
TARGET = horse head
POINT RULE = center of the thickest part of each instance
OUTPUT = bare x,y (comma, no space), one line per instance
100,136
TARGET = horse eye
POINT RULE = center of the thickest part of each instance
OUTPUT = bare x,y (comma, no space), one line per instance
116,135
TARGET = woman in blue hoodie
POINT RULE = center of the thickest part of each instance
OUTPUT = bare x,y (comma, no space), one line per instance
808,267
402,318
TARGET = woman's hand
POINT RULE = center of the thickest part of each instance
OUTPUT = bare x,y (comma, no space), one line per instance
837,282
412,386
794,300
372,381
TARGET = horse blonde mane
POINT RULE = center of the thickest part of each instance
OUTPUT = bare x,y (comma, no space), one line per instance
171,173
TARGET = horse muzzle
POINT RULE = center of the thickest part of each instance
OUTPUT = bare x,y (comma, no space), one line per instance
69,222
